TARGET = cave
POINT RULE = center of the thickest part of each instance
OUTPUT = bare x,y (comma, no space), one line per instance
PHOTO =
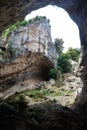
11,12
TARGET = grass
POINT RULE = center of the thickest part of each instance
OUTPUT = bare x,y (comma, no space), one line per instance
44,94
36,94
59,93
33,94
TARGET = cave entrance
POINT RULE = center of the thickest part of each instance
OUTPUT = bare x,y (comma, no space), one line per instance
61,27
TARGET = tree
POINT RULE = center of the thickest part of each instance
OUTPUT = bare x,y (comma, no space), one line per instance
59,45
73,53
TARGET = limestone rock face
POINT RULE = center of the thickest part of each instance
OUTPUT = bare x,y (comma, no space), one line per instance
30,65
33,53
34,37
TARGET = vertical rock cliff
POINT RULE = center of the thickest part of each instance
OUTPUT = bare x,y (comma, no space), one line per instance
29,52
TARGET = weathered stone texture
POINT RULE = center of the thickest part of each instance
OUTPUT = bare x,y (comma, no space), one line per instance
34,52
34,37
12,11
25,67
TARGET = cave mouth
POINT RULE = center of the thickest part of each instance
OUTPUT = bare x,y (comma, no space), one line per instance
59,29
64,118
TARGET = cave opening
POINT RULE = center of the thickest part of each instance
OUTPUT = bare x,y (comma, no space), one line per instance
61,27
46,115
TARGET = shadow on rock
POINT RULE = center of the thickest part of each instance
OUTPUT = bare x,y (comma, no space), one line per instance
44,116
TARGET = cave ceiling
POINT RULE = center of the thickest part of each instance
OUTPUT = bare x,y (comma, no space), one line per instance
13,11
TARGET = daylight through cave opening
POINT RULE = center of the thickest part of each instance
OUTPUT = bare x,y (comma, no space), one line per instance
46,114
32,44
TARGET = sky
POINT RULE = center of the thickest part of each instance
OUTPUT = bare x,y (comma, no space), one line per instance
61,25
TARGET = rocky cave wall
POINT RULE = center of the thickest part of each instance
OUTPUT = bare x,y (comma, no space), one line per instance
12,11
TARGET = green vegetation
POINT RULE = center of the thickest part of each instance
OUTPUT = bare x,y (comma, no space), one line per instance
55,72
64,63
59,45
52,73
73,54
37,94
34,94
64,59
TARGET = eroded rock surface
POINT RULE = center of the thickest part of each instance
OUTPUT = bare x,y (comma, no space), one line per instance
27,66
11,12
29,53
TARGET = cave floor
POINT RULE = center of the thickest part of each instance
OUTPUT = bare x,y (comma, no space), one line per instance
38,108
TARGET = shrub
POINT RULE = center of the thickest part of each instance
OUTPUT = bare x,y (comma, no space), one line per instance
64,63
73,54
52,73
22,23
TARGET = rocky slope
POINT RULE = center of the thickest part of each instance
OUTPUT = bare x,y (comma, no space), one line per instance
64,91
38,107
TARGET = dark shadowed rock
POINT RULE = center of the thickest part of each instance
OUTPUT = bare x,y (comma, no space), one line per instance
10,119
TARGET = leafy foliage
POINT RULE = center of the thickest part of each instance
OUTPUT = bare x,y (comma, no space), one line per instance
59,45
73,53
52,73
64,63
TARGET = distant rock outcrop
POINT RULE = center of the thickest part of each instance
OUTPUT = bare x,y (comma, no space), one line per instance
29,52
34,37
